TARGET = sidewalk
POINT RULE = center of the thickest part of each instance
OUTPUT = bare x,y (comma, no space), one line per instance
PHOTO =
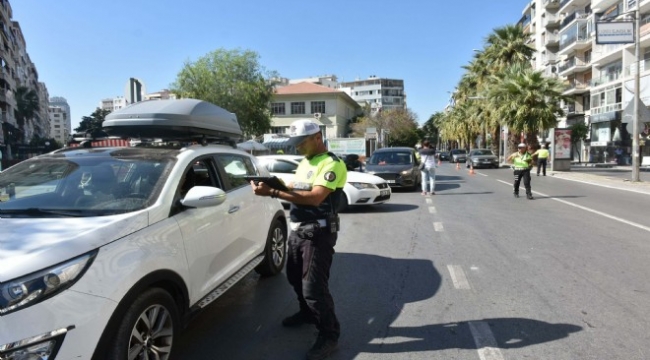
618,177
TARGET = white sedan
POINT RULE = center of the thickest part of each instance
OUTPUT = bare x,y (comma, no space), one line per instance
360,189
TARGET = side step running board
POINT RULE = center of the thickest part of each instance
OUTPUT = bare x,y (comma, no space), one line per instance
221,289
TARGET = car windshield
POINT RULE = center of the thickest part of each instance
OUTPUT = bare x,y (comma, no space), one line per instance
458,151
59,186
482,152
391,158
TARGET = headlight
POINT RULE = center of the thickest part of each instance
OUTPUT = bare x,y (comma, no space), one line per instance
407,172
31,289
362,186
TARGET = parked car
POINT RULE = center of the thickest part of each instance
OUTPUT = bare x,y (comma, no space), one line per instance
482,158
397,165
443,156
107,252
360,188
457,155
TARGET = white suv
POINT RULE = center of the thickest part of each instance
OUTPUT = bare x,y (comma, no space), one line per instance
106,252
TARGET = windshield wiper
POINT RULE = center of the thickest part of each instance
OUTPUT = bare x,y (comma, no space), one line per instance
41,212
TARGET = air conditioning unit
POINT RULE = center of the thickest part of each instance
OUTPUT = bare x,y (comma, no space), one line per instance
317,115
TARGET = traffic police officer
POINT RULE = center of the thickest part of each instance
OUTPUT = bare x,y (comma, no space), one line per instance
522,163
314,197
542,156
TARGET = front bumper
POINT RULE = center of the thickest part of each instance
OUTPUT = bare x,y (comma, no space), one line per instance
484,163
67,326
397,180
370,196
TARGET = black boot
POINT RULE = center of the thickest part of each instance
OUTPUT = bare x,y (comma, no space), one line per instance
516,194
530,197
298,319
323,348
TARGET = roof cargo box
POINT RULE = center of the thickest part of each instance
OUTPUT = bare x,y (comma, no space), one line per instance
185,119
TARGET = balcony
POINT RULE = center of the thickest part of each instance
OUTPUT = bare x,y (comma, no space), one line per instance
573,42
605,79
551,21
552,40
606,54
631,69
576,87
551,4
548,59
573,65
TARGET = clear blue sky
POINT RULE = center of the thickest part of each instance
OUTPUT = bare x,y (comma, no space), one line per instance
86,51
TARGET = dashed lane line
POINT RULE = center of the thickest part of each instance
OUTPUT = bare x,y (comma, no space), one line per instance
615,218
486,345
458,277
437,226
432,209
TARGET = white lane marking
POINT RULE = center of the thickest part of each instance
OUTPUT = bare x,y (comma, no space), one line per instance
458,277
432,209
437,226
507,183
484,339
428,200
616,218
481,174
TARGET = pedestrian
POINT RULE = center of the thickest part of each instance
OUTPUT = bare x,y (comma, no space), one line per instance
522,161
314,196
542,157
428,168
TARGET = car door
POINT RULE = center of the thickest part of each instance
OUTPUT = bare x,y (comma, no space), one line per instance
209,233
247,210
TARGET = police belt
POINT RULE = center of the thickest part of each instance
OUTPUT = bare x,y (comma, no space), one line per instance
296,225
520,168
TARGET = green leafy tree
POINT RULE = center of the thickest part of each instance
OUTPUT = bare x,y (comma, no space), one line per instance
27,105
399,126
233,80
92,124
579,132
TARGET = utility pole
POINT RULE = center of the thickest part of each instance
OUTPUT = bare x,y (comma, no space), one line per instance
637,96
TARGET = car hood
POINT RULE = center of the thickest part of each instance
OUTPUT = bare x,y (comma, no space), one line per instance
28,245
387,168
359,177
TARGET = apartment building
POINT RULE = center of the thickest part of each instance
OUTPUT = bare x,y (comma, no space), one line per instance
379,93
60,119
331,108
599,78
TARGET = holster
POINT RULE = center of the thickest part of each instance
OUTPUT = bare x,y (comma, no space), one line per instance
308,230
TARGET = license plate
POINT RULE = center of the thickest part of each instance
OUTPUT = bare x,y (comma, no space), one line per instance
390,181
384,193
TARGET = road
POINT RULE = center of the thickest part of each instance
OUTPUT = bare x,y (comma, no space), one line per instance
470,273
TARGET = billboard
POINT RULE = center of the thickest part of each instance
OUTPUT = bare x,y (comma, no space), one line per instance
562,144
615,32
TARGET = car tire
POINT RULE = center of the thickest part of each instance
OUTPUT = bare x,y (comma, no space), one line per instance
275,251
154,304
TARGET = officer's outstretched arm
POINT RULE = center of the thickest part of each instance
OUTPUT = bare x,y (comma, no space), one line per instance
313,197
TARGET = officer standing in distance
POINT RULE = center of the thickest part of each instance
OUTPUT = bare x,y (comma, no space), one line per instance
522,164
314,196
542,157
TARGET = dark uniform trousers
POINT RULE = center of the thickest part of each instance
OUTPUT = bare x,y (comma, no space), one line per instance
525,174
308,271
541,164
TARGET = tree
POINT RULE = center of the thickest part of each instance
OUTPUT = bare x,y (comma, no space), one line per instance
93,124
233,80
579,132
398,125
27,105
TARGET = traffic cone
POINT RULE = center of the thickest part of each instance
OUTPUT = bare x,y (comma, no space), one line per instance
471,170
439,162
457,166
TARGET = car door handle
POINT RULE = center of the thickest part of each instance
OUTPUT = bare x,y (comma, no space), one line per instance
233,209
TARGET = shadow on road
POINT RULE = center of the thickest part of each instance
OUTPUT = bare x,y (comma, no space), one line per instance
370,292
382,208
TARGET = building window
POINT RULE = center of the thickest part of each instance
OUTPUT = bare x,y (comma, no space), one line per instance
279,129
318,107
57,115
298,107
278,108
57,126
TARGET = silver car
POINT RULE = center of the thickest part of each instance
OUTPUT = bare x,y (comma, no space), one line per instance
482,158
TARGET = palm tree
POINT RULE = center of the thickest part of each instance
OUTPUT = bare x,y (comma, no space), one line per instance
527,100
27,105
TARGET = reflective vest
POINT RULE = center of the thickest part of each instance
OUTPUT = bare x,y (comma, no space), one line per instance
542,153
520,162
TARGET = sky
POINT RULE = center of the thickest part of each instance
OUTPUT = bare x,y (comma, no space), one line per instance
86,51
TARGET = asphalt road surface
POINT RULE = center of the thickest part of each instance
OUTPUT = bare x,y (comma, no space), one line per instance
470,273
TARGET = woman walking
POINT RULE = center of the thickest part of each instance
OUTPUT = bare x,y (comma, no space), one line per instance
428,168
